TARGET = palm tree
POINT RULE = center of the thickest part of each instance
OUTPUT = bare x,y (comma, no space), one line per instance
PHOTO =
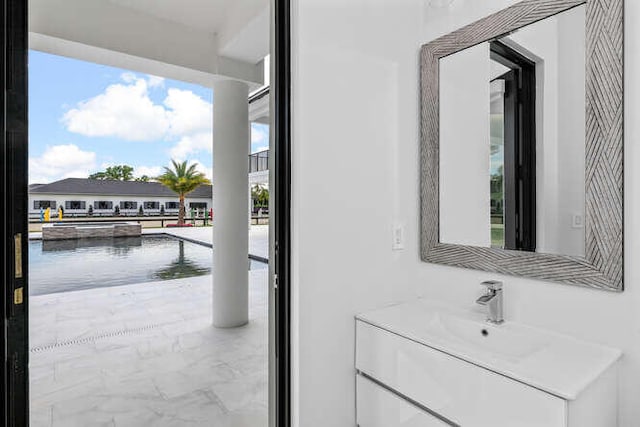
182,179
181,267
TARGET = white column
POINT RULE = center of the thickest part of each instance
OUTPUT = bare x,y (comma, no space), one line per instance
230,184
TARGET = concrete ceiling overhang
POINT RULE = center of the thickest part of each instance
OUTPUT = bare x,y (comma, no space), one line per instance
191,40
259,107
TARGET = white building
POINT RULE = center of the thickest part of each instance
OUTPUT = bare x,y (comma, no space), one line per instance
79,196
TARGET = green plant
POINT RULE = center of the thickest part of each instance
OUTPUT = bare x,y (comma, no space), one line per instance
141,211
260,196
117,173
182,180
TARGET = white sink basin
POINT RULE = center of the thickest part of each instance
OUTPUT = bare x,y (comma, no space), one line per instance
558,364
497,341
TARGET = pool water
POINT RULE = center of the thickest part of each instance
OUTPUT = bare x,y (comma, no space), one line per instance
69,265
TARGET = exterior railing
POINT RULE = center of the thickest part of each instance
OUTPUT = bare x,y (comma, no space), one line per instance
259,162
162,220
157,219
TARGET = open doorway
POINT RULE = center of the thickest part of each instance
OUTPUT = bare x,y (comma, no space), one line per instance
126,322
151,331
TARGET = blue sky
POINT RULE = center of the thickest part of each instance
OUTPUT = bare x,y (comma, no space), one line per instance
84,117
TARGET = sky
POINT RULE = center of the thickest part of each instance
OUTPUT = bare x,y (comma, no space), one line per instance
84,117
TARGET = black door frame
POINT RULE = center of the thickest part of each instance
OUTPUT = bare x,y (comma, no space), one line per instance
282,220
520,152
14,410
14,160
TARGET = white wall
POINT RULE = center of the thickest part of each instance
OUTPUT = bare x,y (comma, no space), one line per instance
465,149
261,178
571,129
355,97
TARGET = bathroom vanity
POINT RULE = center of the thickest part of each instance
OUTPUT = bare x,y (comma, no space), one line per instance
423,364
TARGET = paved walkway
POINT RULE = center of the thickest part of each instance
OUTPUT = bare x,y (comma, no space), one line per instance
147,354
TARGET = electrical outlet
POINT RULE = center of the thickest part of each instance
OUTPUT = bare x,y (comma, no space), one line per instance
398,238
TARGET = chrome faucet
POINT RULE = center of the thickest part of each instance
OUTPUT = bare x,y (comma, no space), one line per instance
493,300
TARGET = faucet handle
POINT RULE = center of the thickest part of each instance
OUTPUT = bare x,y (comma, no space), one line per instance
492,285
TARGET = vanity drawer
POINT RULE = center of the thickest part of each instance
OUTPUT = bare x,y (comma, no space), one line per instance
378,407
459,391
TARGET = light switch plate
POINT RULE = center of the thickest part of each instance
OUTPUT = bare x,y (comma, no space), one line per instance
398,237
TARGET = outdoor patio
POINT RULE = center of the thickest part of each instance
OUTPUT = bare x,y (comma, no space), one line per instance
146,354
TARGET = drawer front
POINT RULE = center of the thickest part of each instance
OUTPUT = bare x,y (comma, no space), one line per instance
378,407
462,392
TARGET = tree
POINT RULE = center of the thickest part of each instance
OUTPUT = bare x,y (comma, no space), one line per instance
260,196
143,178
116,173
182,180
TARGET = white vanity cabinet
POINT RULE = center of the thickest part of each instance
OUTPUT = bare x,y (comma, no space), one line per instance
380,407
404,381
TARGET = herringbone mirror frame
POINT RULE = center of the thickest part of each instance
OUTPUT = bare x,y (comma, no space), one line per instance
602,266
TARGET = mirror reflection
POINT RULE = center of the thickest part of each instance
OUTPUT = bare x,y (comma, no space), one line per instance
512,132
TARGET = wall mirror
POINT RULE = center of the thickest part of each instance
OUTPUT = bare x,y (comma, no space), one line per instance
522,143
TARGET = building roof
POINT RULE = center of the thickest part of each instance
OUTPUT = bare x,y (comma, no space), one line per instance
114,188
34,186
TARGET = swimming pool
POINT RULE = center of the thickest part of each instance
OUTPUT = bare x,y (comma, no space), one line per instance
69,265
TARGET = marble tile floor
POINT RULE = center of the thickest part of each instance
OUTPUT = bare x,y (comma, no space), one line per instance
147,355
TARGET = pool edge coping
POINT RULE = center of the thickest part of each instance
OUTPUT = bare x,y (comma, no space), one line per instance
252,257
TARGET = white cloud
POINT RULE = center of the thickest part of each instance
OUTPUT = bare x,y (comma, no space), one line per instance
155,81
259,137
123,110
191,144
61,161
208,172
188,113
128,77
150,171
259,134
